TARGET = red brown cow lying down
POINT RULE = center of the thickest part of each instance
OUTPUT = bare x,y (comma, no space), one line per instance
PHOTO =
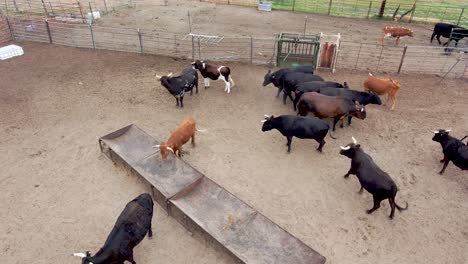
396,32
383,86
178,138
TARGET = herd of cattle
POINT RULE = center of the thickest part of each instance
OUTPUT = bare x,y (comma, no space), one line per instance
314,99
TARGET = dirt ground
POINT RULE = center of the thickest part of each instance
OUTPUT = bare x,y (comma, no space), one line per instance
61,195
229,20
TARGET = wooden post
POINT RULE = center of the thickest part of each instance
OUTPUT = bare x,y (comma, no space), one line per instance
92,15
461,14
294,6
402,58
14,3
305,24
369,10
81,11
48,31
382,8
412,13
140,39
92,36
45,8
251,50
10,28
105,6
329,6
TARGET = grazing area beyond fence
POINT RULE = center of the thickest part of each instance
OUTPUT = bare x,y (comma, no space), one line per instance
419,12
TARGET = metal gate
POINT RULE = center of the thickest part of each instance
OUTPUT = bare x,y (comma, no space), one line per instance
302,49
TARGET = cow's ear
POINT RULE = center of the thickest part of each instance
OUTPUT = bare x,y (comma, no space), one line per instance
88,254
271,117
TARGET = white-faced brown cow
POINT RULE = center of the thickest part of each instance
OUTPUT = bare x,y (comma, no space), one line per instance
383,86
396,32
214,72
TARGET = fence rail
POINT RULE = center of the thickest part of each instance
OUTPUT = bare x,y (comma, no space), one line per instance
351,55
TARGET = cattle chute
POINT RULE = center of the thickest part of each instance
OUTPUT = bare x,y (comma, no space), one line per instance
204,207
296,48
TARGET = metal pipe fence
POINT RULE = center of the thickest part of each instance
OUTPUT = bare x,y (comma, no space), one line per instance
351,55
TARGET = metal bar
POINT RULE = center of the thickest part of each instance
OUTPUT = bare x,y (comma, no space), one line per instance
81,11
105,6
193,49
305,24
140,39
402,58
189,21
358,55
251,50
461,14
294,6
14,3
199,49
369,10
175,44
412,13
10,28
92,35
329,6
48,30
380,58
92,15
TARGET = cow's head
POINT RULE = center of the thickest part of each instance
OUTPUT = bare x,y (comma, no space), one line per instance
360,111
350,149
164,149
268,78
411,33
372,98
198,64
85,258
163,79
440,134
267,124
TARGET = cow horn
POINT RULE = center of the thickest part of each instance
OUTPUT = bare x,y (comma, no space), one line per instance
263,121
448,130
158,77
169,148
267,116
81,255
170,74
156,146
354,140
435,131
345,148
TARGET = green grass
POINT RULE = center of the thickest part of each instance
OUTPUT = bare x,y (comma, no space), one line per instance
426,12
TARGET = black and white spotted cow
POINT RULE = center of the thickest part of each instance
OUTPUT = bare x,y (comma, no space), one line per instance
214,72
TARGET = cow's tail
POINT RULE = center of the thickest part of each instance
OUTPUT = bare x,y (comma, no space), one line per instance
330,134
464,138
400,208
231,81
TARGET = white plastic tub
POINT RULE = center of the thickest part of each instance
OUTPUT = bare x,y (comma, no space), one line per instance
10,51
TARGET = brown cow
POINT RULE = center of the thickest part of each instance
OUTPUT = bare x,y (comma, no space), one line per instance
323,106
178,138
383,86
396,32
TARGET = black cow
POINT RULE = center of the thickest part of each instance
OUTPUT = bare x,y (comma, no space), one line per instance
214,72
444,30
275,76
178,85
376,181
457,35
297,126
289,82
129,230
454,150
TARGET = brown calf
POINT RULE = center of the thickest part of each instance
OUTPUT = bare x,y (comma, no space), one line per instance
396,32
383,86
323,106
178,138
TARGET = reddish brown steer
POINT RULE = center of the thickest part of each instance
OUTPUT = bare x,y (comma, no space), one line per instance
396,32
178,138
383,86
